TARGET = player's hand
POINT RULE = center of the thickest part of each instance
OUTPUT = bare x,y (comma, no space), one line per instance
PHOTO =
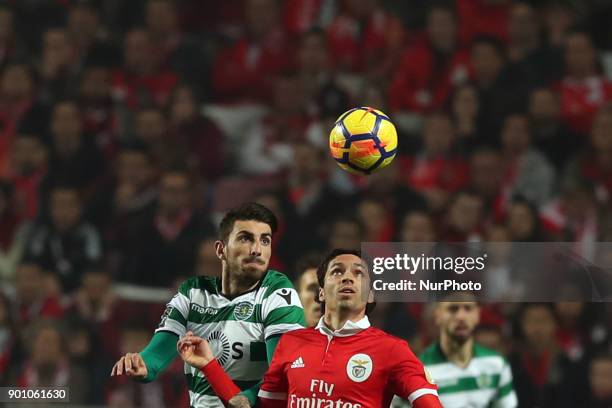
239,401
194,350
131,365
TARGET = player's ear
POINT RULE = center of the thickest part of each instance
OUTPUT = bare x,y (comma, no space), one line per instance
371,296
321,295
220,250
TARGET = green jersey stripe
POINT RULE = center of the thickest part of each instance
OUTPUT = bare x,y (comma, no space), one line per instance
199,385
284,314
470,384
504,390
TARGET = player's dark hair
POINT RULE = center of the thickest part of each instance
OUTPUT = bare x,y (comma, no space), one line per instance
322,269
246,212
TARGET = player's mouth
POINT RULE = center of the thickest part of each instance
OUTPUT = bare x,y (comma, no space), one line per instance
347,290
255,261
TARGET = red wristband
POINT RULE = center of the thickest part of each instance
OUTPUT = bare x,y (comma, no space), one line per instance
220,382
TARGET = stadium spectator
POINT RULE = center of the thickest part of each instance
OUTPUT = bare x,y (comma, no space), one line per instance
59,65
243,72
527,171
13,233
583,90
377,221
267,147
523,222
549,135
75,159
179,51
599,374
486,173
202,139
66,244
431,67
32,296
466,113
365,39
93,42
9,340
417,226
142,81
307,287
436,171
17,107
100,120
539,65
29,157
463,221
501,91
559,18
345,232
207,263
483,17
594,165
48,364
160,246
12,47
543,375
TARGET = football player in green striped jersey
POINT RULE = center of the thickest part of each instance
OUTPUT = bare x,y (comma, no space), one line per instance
467,374
242,314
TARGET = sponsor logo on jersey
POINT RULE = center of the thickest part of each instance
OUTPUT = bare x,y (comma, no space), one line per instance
359,367
285,294
203,310
220,346
298,363
243,310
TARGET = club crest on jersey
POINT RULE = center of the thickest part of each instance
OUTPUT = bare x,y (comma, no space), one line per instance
243,310
359,367
484,381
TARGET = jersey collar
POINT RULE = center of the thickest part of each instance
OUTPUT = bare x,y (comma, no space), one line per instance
350,328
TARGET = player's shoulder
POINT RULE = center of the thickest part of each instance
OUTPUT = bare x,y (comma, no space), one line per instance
432,355
484,354
274,280
205,283
383,338
299,336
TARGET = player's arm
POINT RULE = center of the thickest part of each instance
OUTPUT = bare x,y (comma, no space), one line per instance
273,390
505,396
408,379
161,350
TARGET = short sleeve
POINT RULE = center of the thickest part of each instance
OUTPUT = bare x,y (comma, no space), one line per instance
174,318
281,308
408,376
505,397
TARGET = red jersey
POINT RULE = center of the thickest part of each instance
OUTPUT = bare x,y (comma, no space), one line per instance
357,366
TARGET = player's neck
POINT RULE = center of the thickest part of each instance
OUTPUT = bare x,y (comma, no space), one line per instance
336,320
232,285
457,353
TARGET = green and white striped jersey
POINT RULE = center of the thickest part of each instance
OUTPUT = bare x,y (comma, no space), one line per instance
485,382
235,328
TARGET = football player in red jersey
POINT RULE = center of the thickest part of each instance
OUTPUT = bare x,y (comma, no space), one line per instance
343,362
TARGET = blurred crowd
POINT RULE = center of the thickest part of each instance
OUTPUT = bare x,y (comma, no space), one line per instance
128,127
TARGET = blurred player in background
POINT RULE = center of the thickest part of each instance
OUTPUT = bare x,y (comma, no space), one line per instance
467,374
343,361
242,314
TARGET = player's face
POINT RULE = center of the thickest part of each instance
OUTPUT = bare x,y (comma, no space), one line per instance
458,319
248,248
347,284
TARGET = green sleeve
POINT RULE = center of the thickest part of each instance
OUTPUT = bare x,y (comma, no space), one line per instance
251,393
159,353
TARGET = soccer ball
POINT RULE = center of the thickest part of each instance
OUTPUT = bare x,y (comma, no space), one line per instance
363,140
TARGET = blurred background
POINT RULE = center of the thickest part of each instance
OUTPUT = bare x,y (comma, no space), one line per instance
127,128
